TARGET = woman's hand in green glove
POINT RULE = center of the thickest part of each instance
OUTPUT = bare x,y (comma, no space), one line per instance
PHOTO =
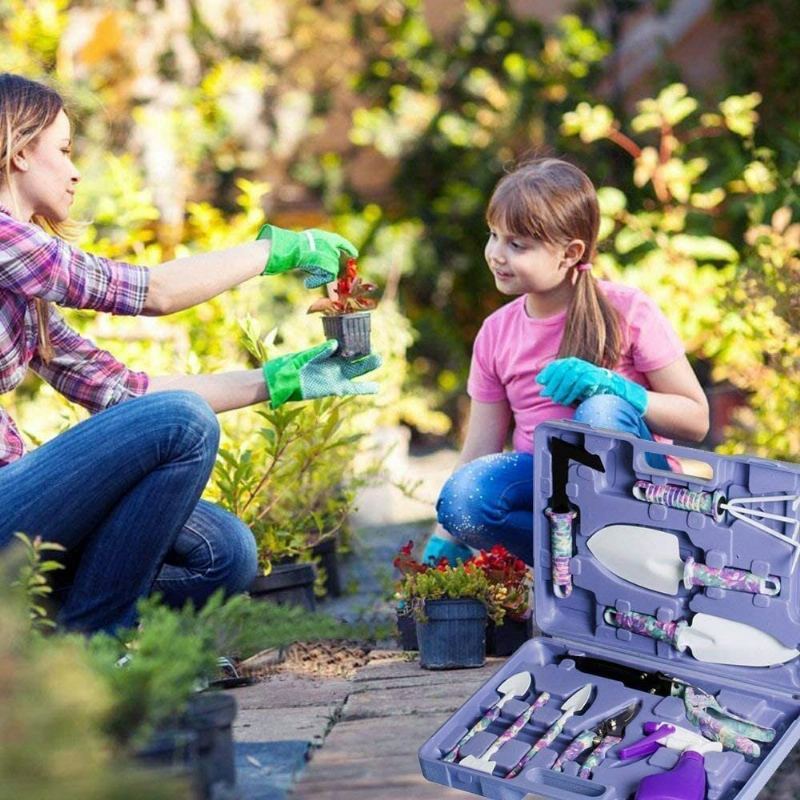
570,380
317,373
315,252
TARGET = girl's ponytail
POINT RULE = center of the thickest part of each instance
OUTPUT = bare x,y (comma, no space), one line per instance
593,331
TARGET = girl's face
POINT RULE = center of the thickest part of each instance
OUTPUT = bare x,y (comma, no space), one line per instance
46,177
522,265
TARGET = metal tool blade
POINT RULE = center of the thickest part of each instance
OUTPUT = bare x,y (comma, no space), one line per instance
515,686
646,557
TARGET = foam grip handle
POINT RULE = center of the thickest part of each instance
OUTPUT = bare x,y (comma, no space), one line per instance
549,737
597,755
561,550
481,725
737,580
644,625
581,742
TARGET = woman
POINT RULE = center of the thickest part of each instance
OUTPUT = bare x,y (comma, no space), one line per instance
121,490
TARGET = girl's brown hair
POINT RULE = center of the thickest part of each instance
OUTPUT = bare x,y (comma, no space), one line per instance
26,109
552,201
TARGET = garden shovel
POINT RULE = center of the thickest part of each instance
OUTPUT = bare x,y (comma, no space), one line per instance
651,558
515,686
712,639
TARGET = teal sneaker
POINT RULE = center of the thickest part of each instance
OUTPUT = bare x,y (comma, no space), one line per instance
438,548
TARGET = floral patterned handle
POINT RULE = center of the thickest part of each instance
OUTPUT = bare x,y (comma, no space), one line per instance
597,755
561,550
732,732
682,498
645,625
481,725
549,737
737,580
580,743
517,725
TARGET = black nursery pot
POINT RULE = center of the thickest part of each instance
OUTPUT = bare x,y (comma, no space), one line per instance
199,746
406,631
287,584
454,637
507,638
352,331
210,717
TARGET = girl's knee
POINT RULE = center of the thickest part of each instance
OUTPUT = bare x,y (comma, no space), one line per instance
604,411
188,415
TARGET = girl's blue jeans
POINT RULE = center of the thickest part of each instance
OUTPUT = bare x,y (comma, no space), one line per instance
121,492
490,500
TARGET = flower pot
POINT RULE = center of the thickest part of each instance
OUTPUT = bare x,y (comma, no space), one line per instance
210,717
351,331
328,555
505,639
406,631
287,584
172,751
454,636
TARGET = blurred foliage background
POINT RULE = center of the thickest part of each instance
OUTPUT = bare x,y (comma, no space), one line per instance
196,120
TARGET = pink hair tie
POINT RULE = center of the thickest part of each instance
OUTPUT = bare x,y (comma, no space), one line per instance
585,266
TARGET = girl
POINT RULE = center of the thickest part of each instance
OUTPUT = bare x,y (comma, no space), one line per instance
549,355
121,490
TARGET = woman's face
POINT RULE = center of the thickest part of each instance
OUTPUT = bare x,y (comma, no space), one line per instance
46,177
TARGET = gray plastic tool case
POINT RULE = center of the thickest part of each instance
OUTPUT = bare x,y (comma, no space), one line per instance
575,626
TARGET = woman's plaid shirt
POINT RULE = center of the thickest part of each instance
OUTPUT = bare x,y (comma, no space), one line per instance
34,264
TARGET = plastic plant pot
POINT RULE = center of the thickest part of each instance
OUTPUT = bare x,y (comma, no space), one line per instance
352,331
287,584
507,638
454,635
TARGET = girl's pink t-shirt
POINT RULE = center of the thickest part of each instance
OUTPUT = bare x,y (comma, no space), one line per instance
511,348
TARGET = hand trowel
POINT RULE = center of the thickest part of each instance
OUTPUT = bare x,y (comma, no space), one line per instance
651,558
715,640
515,686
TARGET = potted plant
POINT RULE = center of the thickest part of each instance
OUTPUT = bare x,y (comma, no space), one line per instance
451,606
346,316
509,581
511,586
292,481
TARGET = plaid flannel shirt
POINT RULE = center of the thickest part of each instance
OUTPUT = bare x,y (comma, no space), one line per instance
34,264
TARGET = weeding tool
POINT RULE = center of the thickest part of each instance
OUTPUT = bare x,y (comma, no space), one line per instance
651,558
717,723
574,704
484,763
602,738
715,504
561,514
710,638
515,686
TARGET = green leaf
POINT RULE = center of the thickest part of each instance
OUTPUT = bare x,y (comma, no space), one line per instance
705,248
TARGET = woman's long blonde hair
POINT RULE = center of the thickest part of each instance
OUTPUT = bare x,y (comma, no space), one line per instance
552,201
26,109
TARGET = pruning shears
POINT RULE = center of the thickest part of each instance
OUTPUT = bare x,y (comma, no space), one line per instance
601,739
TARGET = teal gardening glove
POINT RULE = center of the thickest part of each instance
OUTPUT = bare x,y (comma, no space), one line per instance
570,380
317,373
315,252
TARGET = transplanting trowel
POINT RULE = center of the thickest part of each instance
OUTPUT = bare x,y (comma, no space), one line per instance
713,639
651,558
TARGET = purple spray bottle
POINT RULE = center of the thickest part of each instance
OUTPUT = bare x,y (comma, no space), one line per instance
685,781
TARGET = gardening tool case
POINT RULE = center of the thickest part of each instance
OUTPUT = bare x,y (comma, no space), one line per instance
581,625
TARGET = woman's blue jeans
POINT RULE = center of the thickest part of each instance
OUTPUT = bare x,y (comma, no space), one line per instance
121,492
490,500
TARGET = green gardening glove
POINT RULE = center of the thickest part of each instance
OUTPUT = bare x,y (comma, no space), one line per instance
570,380
315,252
317,373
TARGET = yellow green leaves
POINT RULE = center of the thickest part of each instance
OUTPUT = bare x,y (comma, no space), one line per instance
671,106
739,114
591,123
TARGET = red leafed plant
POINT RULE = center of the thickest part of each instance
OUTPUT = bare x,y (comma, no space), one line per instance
351,295
508,576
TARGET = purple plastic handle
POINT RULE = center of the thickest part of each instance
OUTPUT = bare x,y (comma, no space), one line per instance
644,747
